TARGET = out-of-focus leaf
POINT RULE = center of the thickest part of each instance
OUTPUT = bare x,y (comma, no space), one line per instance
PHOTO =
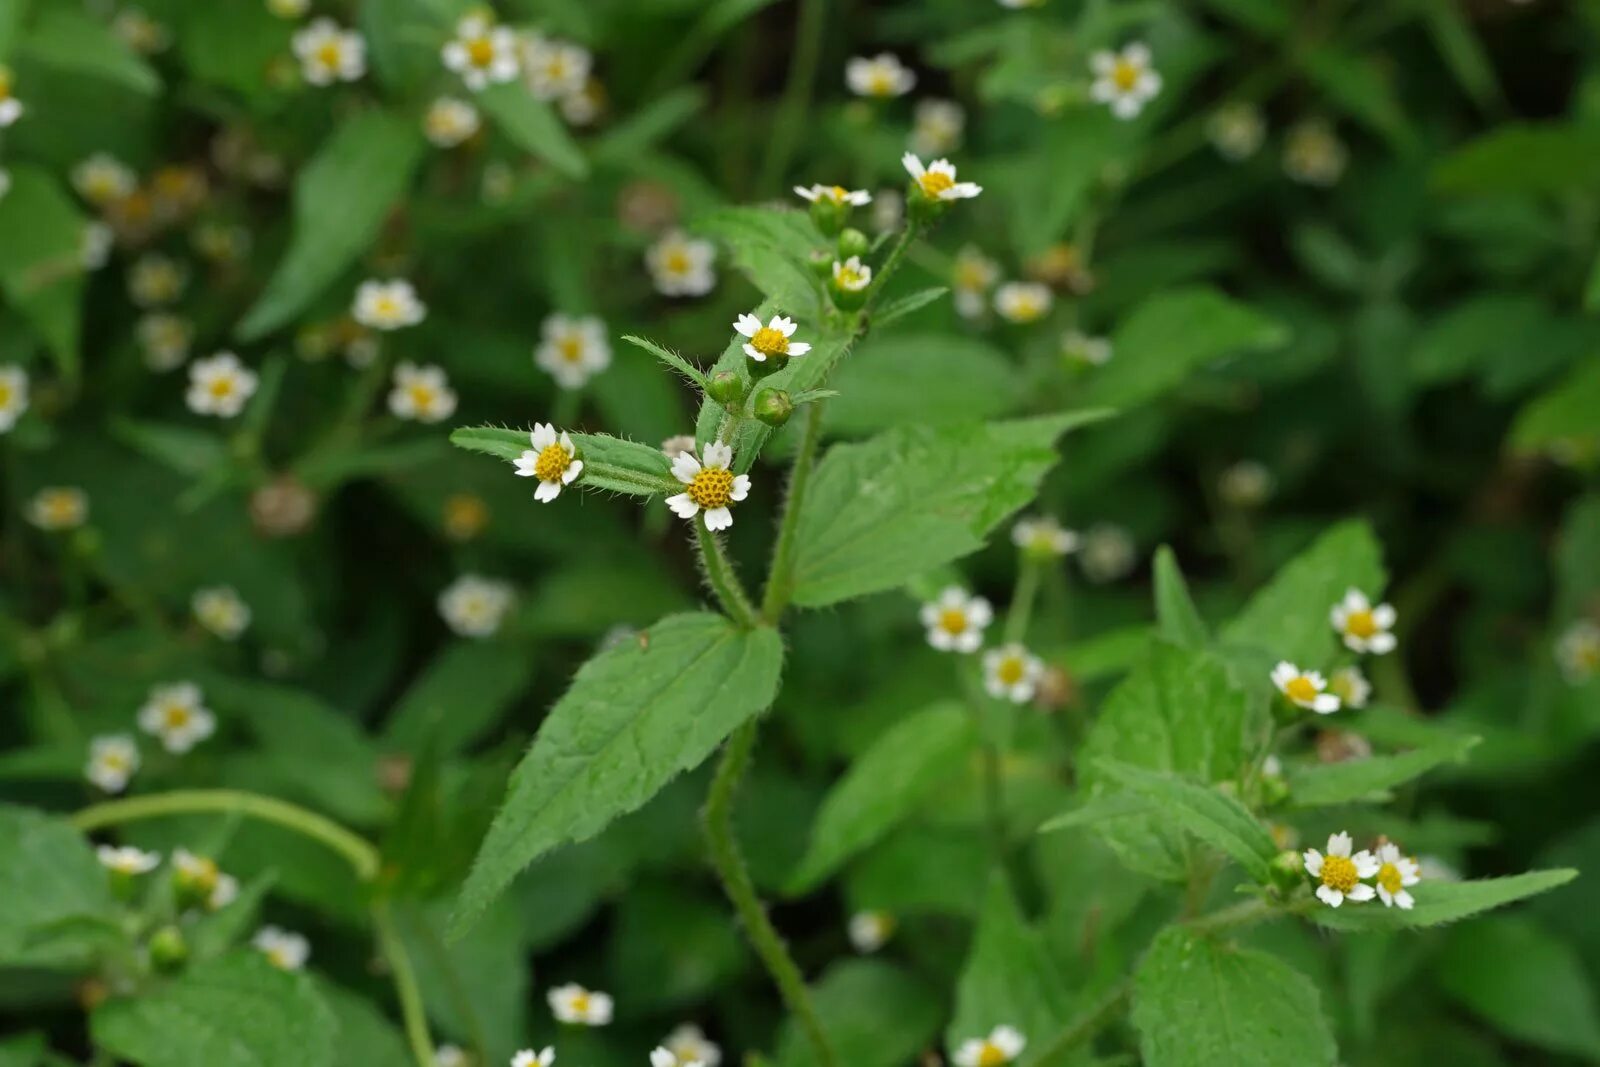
1356,86
41,272
671,947
899,308
1217,819
1564,414
1527,159
771,246
1010,978
463,692
188,451
876,1015
651,123
71,41
1177,619
534,127
1352,780
50,881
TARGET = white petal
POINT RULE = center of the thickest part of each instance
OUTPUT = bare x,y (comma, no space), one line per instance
1339,844
719,455
547,492
1313,862
685,467
1330,896
1384,616
574,469
755,353
913,165
799,348
1362,893
719,518
1325,704
746,325
741,487
682,506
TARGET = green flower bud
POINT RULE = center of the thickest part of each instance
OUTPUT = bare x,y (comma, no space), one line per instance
821,263
726,387
760,368
829,214
774,406
168,950
852,242
1288,871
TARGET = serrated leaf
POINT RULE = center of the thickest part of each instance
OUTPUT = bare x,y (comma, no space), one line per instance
902,306
771,246
1217,819
1177,619
1352,780
670,358
608,462
885,510
928,378
1445,902
636,716
1010,977
50,881
1198,1003
41,273
534,127
885,785
1097,810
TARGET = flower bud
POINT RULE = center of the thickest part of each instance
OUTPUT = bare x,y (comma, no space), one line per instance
1287,871
821,263
774,406
852,242
760,368
168,950
726,387
829,214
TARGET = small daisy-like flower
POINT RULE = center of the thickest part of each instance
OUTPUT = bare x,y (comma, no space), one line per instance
127,860
851,276
1365,627
1012,673
888,211
1236,131
449,122
583,107
1085,350
1395,873
971,279
665,1057
465,516
937,126
710,486
1042,537
555,69
220,385
1023,302
140,32
1245,484
1350,686
94,245
1578,652
553,460
870,930
59,507
199,881
482,53
687,1045
1123,80
956,621
102,178
284,949
529,1058
882,76
288,9
1062,263
937,181
113,760
473,606
572,1003
1004,1044
155,280
222,611
771,340
421,393
328,54
1108,553
1339,874
682,266
573,349
220,243
450,1056
390,305
10,106
174,714
1313,153
681,443
834,194
1304,688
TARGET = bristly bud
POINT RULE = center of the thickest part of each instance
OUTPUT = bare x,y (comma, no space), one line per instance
1287,871
761,368
727,388
852,242
821,263
168,950
829,214
774,406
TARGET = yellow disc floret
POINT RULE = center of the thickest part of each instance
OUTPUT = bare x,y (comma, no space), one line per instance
1125,75
992,1055
1360,624
770,342
712,487
1339,872
552,463
953,620
1010,670
1301,688
935,182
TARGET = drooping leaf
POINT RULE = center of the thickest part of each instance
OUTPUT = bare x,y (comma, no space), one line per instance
1351,780
534,127
1217,819
1445,902
771,246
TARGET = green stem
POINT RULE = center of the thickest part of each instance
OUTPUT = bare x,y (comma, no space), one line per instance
1091,1022
1022,600
796,93
724,581
891,264
717,823
405,985
1247,913
780,579
992,752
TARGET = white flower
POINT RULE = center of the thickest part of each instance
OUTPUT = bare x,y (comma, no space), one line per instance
680,443
529,1058
937,126
58,507
102,178
1364,627
712,486
834,194
154,280
1313,154
573,349
851,276
888,210
1578,652
113,759
421,393
165,338
328,54
870,930
572,1003
1124,80
938,179
1340,874
482,53
1350,686
390,305
474,606
682,266
449,1056
582,107
222,611
94,245
1083,349
450,121
555,69
1043,537
553,460
1023,302
769,340
198,878
288,9
1245,484
687,1045
955,622
881,76
10,106
1396,872
127,859
1236,131
1304,688
1107,553
284,949
662,1057
1004,1044
219,386
1012,673
174,714
974,275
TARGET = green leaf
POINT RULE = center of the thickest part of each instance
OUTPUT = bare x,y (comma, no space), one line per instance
771,247
1445,902
1217,819
341,200
1010,977
922,378
76,44
654,121
883,511
41,273
670,358
608,462
189,451
366,1036
1097,810
1289,617
463,693
533,126
875,1014
1198,1003
900,307
1527,159
1463,52
1353,780
1357,86
237,1010
1171,335
51,883
1177,619
672,946
636,716
1565,413
889,781
1525,981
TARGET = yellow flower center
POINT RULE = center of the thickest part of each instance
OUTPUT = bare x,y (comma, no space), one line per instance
552,463
386,307
1026,309
201,874
175,716
465,515
934,182
850,278
1010,670
770,342
1301,688
953,620
5,395
881,83
571,348
837,194
1125,75
991,1055
5,84
1587,656
480,51
422,395
677,261
1360,624
278,958
1388,876
114,761
556,68
1339,872
580,1004
221,388
711,488
329,53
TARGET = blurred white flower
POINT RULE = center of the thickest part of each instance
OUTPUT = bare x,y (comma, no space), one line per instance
482,53
113,760
175,715
1085,350
553,460
474,606
681,443
391,305
1107,553
1012,673
199,881
94,245
555,69
1578,652
1245,484
1350,686
10,107
710,486
140,32
328,54
971,279
421,394
687,1044
834,194
219,385
1304,688
450,121
288,9
529,1058
881,76
955,622
1339,874
1124,80
937,126
1023,302
572,349
450,1056
1236,130
1004,1044
1364,627
870,930
851,276
222,611
155,280
165,338
58,507
284,949
681,265
1042,537
127,860
1313,153
572,1003
102,178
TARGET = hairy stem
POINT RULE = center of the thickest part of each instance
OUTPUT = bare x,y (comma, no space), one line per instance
405,985
780,579
717,822
724,580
